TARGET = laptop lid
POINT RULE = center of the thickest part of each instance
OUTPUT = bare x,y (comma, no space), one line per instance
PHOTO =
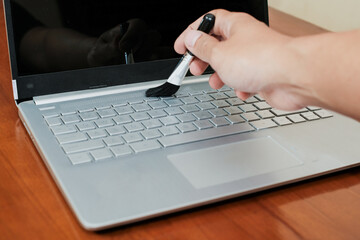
107,36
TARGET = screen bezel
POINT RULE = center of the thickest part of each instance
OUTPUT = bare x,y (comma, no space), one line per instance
30,86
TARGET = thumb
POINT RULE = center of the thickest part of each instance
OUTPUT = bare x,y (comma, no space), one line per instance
202,45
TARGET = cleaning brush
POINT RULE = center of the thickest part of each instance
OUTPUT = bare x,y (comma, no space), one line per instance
172,85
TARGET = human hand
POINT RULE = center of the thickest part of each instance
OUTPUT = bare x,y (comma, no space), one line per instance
247,56
133,36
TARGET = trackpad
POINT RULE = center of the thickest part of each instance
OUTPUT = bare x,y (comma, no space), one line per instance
230,162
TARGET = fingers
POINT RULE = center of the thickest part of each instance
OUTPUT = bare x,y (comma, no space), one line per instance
215,81
197,67
243,95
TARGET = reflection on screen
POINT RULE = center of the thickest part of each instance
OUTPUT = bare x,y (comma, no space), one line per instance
58,35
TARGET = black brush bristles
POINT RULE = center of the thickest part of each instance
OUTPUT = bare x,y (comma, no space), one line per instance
165,90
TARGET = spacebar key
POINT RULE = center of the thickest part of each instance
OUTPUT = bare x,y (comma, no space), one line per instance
205,134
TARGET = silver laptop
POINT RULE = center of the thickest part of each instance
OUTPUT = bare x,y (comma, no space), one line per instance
119,157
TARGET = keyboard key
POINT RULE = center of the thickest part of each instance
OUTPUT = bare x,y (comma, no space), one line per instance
139,116
220,103
102,106
97,133
157,113
204,135
323,113
113,141
84,126
134,127
296,118
157,104
68,112
259,98
235,119
173,110
83,146
104,113
218,112
50,114
233,110
181,95
205,106
85,109
282,121
263,123
56,121
231,94
202,115
219,122
262,105
124,110
173,102
70,119
79,158
107,122
248,108
71,137
218,96
194,93
115,130
121,150
252,99
101,154
189,100
251,116
145,146
210,91
203,124
132,137
170,120
309,116
122,119
151,133
186,117
313,108
235,101
186,127
265,114
168,130
190,108
86,116
141,107
284,113
63,129
204,98
152,123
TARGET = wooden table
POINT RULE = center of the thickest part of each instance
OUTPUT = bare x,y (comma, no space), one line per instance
31,206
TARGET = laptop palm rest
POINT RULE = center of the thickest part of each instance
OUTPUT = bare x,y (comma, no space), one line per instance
230,162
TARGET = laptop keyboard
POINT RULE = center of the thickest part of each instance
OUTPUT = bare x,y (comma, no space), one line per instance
104,132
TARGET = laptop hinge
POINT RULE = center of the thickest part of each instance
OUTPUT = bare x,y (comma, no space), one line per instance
15,90
84,94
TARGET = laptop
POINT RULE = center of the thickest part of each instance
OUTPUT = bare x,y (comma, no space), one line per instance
119,157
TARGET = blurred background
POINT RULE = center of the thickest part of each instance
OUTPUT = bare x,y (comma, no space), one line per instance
333,15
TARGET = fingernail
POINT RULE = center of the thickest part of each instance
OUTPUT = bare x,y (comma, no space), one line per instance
192,37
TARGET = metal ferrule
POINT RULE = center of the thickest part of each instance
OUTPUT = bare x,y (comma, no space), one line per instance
181,69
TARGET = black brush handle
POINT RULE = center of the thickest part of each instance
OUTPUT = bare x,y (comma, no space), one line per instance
207,23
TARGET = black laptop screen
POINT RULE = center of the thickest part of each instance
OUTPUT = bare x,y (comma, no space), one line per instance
51,37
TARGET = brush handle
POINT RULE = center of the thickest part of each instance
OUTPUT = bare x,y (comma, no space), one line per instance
177,76
207,23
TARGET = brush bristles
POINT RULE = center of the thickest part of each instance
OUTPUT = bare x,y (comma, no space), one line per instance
165,90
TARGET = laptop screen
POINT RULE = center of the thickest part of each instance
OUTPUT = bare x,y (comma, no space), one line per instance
66,45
